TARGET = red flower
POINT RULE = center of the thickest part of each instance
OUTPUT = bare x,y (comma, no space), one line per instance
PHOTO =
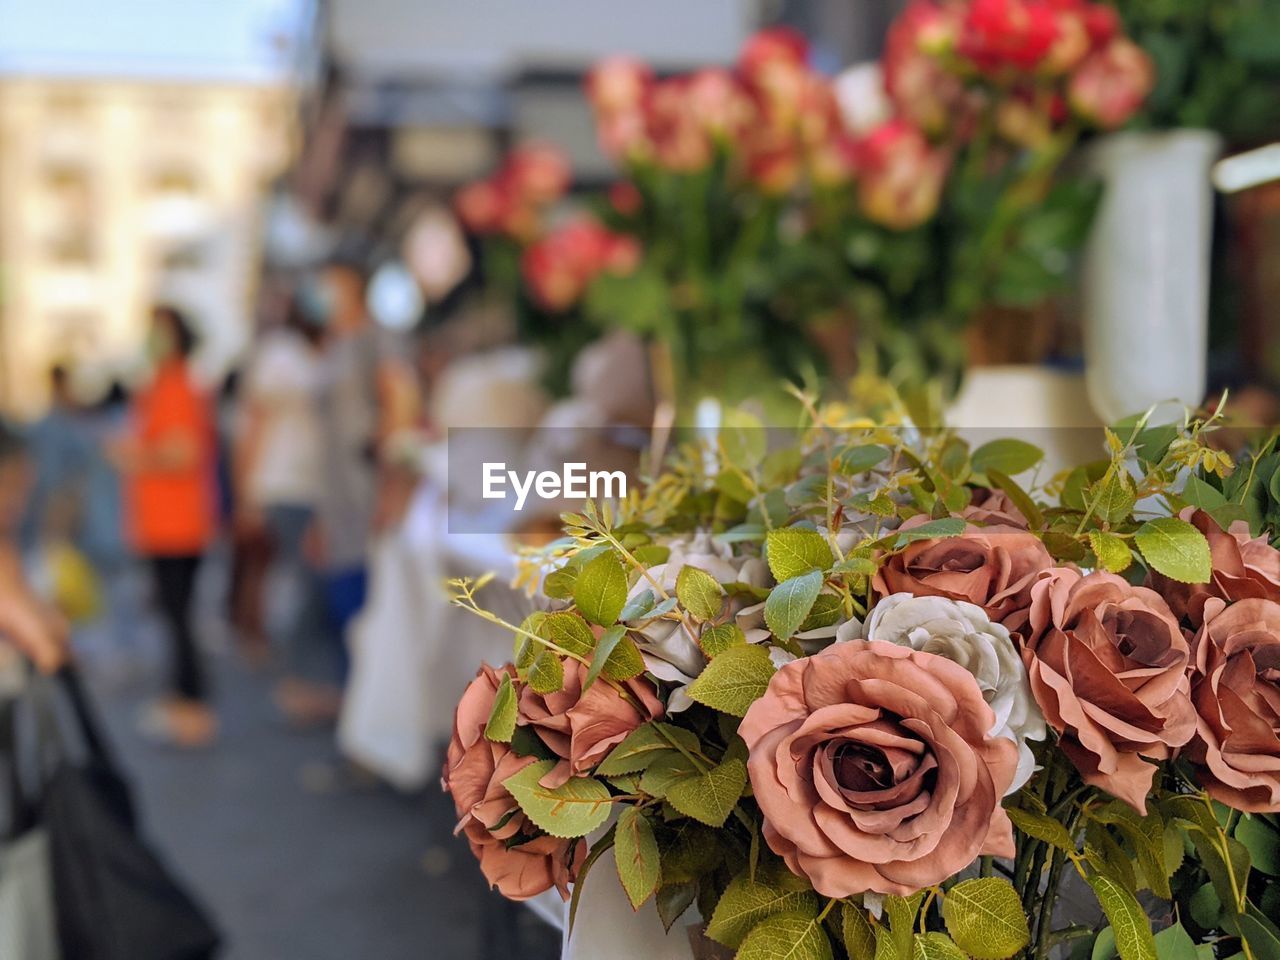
1112,83
537,172
914,76
998,34
680,141
618,85
559,267
625,198
719,103
901,176
774,66
480,206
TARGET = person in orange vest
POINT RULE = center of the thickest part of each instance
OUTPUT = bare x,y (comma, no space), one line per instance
169,458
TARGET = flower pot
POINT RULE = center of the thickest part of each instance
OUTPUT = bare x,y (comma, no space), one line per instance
1146,273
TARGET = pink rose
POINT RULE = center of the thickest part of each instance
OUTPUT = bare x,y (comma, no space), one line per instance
1235,686
537,172
901,176
618,85
874,769
994,507
992,567
1108,663
914,77
1244,567
581,728
490,818
1112,83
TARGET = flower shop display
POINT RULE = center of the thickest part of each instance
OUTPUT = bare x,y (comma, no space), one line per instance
853,691
782,221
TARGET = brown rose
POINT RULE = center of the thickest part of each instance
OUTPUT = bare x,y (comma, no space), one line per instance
1235,686
874,770
1107,663
581,728
1244,567
994,507
490,818
992,567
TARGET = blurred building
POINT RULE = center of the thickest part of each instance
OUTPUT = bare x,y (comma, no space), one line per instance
133,167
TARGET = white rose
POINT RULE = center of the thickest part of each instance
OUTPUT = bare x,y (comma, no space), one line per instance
670,653
963,633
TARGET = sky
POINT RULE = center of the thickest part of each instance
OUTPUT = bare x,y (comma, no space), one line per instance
227,40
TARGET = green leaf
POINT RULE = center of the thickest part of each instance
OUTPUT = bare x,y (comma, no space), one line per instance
1200,494
637,857
786,937
673,900
609,640
1008,456
1041,826
1176,549
568,631
933,530
716,640
1146,836
1112,552
559,583
857,460
547,673
502,718
1261,837
642,746
1260,933
1174,943
985,918
746,902
935,946
858,566
572,810
1128,920
734,680
651,554
638,606
789,603
699,592
709,797
855,929
1113,497
795,550
601,589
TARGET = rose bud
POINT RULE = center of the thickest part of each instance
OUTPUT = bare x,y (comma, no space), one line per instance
1111,84
618,85
538,172
999,34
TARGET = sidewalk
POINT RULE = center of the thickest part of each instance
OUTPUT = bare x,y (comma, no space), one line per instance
295,868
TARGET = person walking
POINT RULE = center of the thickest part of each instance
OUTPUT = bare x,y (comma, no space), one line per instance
280,477
168,459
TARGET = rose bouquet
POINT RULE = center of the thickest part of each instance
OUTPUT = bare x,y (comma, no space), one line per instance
855,692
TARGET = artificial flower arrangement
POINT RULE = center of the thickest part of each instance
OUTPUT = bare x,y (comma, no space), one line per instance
802,221
857,693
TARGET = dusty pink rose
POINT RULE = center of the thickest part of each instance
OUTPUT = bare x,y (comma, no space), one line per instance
994,507
1108,666
874,770
1235,686
993,567
581,728
1244,567
489,816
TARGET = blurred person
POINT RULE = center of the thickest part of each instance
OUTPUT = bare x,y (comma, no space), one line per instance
168,457
102,535
59,453
26,622
280,479
367,395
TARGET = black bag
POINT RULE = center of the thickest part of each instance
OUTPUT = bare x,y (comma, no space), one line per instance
114,899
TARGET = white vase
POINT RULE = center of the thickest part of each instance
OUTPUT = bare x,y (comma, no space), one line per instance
1146,273
606,926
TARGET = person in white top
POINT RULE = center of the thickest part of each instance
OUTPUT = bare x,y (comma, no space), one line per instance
280,474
